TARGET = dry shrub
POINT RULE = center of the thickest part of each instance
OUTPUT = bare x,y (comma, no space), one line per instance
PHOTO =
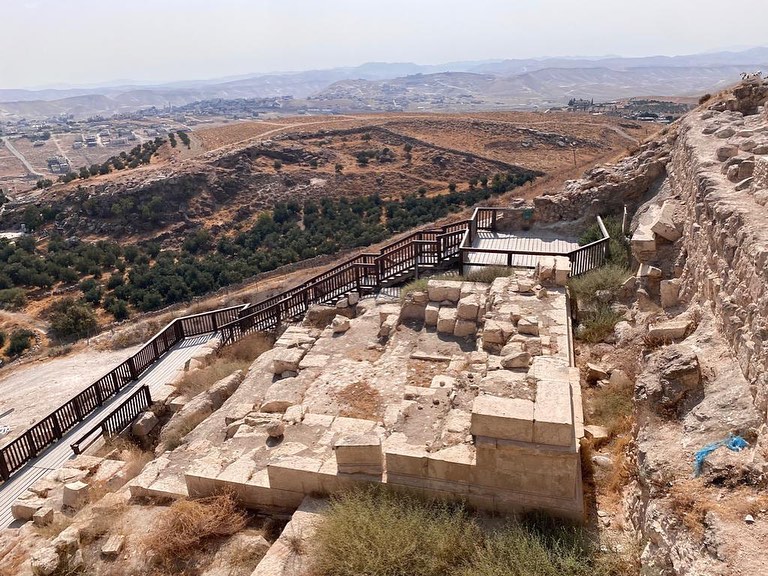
200,380
56,527
620,472
248,348
179,531
691,499
226,361
360,400
134,457
612,407
487,274
136,333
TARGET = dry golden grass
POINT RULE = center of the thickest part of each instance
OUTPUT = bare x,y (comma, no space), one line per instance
180,530
691,499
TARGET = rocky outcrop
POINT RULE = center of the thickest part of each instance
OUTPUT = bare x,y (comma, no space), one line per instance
607,189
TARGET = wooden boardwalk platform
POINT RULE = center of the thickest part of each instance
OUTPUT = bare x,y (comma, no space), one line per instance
58,454
519,242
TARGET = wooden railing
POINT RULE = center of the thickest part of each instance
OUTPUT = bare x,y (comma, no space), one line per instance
364,274
52,428
582,259
117,420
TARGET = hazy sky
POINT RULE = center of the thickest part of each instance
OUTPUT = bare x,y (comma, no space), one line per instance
46,42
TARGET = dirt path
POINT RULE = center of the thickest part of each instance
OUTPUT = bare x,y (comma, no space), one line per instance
21,158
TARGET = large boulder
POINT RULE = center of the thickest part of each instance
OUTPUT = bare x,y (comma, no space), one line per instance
672,375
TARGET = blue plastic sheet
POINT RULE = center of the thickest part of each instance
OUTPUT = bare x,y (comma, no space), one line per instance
733,443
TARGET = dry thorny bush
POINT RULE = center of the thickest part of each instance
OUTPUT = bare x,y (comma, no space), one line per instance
180,530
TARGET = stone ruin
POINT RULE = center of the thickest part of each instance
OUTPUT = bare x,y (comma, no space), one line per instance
465,391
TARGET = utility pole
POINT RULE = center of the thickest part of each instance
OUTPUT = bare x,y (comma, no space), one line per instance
573,145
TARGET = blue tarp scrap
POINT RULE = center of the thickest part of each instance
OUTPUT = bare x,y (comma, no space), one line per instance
733,443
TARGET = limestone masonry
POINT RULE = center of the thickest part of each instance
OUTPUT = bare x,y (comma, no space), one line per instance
495,422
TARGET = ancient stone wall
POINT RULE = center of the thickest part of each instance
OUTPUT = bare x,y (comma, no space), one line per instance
725,241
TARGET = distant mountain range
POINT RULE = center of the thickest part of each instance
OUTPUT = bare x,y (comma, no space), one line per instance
516,83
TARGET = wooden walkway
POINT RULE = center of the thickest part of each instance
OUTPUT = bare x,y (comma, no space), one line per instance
519,242
58,454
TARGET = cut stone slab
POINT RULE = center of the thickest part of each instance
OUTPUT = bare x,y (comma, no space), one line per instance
599,435
75,495
113,546
528,325
507,418
670,330
553,414
441,290
431,314
664,225
287,360
446,320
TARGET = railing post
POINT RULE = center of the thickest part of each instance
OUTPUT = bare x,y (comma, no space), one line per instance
99,398
4,472
115,381
31,443
215,322
178,330
78,410
493,220
56,427
154,347
132,368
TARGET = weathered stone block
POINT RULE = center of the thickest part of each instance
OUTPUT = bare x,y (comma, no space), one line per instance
359,454
507,418
664,225
464,328
670,291
113,546
670,330
468,307
441,290
144,424
295,474
446,320
340,324
643,243
528,325
553,414
431,313
25,507
75,495
43,516
562,270
545,269
520,359
287,360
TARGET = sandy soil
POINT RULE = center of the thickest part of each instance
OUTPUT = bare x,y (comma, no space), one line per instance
34,390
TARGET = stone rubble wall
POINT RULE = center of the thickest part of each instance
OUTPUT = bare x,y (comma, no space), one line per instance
725,246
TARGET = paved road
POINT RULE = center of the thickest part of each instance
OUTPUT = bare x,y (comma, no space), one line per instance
21,158
58,454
